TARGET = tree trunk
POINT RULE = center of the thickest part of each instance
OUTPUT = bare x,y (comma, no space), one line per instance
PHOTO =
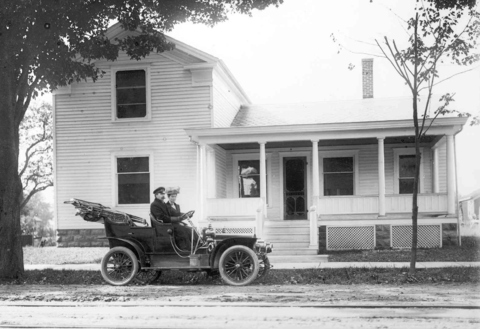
11,254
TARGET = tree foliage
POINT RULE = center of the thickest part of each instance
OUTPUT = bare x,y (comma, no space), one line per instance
36,142
45,44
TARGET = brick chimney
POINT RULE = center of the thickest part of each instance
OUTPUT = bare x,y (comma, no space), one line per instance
367,77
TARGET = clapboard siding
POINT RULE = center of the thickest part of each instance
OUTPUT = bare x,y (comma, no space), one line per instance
367,166
368,171
442,167
221,171
225,103
86,138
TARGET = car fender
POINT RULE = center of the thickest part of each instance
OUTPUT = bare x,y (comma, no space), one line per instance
136,245
227,243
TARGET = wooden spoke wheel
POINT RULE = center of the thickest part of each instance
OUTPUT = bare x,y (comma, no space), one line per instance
238,266
147,276
264,267
119,266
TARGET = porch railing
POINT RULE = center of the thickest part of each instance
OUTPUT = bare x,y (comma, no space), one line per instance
234,207
352,204
368,204
426,203
236,215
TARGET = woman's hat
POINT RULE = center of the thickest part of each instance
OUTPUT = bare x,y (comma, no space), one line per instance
173,190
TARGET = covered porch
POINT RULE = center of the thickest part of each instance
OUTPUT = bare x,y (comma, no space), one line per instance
375,198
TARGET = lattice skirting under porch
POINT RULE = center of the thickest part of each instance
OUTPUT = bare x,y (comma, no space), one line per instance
347,238
235,230
385,236
429,236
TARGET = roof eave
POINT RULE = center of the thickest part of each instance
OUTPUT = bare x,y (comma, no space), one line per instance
198,134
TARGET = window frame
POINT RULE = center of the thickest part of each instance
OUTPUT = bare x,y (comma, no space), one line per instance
396,168
114,71
251,157
133,154
339,154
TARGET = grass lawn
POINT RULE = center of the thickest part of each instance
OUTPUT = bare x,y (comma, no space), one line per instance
389,276
468,252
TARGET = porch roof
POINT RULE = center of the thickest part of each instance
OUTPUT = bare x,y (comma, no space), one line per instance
352,131
342,111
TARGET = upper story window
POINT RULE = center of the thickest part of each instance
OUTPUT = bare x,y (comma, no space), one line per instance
131,94
338,176
133,180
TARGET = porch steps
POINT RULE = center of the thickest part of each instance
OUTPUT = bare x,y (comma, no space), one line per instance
289,237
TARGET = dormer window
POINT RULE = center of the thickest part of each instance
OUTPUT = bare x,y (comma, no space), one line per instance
131,95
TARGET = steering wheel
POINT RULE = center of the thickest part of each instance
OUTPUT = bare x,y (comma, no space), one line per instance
190,213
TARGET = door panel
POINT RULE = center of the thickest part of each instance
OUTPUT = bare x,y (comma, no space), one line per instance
295,188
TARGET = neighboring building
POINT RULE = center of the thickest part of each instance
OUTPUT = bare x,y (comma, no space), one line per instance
307,177
470,208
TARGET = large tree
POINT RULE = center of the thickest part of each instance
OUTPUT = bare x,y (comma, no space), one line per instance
49,43
440,31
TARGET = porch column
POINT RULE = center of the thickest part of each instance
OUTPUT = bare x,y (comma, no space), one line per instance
202,195
436,182
450,175
263,177
315,174
316,194
381,177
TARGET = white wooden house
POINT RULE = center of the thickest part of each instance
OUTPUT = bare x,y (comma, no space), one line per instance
307,177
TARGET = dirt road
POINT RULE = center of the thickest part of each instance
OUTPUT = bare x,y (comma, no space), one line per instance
256,306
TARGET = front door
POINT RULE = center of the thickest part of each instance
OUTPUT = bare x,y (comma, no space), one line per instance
295,188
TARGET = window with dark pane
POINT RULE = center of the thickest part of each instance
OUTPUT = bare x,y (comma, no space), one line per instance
406,173
338,176
249,178
133,180
131,94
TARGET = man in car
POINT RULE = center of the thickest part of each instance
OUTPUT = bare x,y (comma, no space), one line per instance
162,212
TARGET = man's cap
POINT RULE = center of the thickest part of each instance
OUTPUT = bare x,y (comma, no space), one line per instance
173,190
158,190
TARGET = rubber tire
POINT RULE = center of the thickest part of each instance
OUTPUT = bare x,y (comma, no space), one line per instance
146,276
225,257
134,268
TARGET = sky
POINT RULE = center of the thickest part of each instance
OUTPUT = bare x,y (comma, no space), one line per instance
287,55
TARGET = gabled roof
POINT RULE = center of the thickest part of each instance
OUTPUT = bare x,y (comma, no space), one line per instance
361,110
190,57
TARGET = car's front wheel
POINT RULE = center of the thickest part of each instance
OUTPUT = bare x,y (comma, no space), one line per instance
238,266
119,266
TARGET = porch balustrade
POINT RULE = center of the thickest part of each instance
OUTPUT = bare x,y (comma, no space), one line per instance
237,213
369,204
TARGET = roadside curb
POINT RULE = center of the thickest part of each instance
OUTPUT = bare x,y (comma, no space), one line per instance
230,304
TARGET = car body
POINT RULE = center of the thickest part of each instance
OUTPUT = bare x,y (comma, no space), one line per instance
140,252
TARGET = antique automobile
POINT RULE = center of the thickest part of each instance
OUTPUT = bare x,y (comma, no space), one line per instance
140,252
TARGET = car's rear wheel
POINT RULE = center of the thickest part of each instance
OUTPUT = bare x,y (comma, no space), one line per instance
147,276
119,266
238,266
